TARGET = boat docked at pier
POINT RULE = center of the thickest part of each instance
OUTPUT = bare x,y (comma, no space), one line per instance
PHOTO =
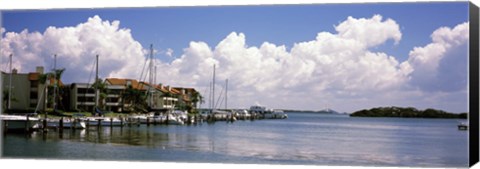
19,123
66,123
174,117
268,113
175,120
278,114
104,121
243,114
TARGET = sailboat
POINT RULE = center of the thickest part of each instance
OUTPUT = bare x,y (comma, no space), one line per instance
64,123
101,121
225,115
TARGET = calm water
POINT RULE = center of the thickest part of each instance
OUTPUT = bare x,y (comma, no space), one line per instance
303,138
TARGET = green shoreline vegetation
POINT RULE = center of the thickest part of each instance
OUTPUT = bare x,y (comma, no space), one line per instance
408,112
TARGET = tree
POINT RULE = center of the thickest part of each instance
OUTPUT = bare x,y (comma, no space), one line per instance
409,112
135,98
57,73
102,88
196,98
43,78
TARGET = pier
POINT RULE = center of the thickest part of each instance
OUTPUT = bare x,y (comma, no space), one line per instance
28,124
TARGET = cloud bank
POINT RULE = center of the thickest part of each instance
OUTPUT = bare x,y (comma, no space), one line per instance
76,48
336,70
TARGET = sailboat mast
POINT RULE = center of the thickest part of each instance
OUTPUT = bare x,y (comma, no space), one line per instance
226,93
96,84
210,95
213,88
155,75
150,74
54,82
10,84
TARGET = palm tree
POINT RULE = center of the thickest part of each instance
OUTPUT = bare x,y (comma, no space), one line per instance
43,78
58,75
136,99
197,97
102,87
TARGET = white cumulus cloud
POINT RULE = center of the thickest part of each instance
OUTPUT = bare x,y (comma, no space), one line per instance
442,64
169,52
76,48
331,64
372,31
335,69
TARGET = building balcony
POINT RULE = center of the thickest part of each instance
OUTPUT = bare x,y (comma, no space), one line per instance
85,95
169,99
85,103
113,95
167,106
113,104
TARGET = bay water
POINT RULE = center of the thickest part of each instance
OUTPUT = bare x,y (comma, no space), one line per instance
303,138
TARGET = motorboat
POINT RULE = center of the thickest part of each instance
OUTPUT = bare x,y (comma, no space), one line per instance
279,114
268,113
220,115
19,123
104,121
243,114
172,119
258,109
67,123
182,115
463,126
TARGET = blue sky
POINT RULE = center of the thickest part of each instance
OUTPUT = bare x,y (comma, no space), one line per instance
365,64
175,27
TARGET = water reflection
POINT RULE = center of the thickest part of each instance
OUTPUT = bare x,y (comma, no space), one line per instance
130,136
302,139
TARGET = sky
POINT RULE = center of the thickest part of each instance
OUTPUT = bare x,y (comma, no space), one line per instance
345,57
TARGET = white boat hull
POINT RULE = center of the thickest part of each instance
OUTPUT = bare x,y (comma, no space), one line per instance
104,122
14,123
67,124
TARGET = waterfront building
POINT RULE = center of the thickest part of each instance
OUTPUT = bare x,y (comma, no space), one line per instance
186,97
114,98
116,89
164,98
26,91
169,98
82,97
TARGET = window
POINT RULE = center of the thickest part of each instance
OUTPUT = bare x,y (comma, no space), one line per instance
33,95
85,91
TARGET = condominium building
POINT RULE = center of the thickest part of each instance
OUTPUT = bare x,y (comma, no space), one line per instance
24,92
114,98
186,96
82,97
167,97
29,93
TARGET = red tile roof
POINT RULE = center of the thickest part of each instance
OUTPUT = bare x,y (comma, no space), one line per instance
144,85
33,76
116,81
